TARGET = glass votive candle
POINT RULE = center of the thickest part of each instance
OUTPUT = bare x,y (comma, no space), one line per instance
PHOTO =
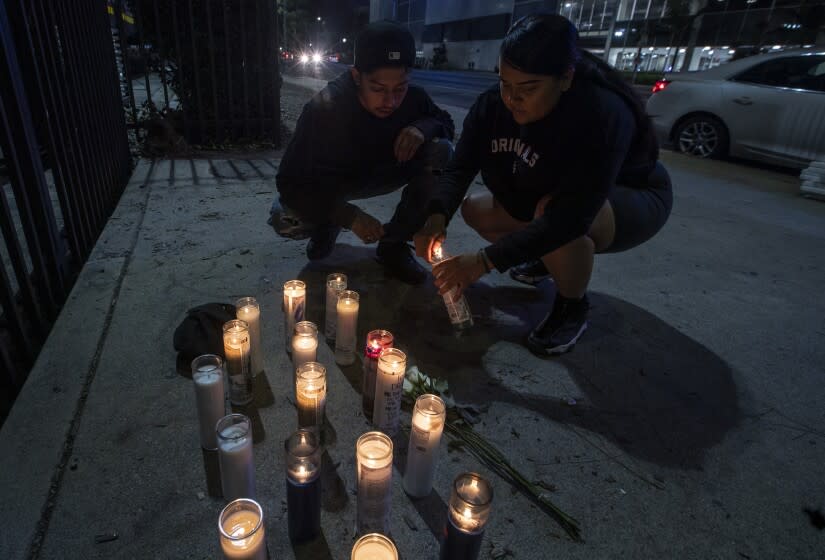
303,485
336,283
295,295
373,452
304,343
235,456
242,532
389,384
207,377
374,546
311,394
467,516
347,325
248,311
428,418
377,340
236,348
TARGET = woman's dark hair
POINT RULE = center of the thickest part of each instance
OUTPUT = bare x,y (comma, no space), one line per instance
546,44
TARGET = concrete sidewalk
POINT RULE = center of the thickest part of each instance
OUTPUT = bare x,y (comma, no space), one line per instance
685,424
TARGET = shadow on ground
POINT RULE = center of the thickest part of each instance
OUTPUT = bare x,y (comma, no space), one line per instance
657,394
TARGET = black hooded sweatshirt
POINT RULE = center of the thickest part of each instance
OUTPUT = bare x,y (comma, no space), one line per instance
587,144
337,141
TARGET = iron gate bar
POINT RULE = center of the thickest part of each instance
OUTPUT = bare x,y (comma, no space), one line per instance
123,158
244,65
44,107
195,71
186,126
30,190
104,124
218,135
124,53
159,37
82,203
77,79
142,51
19,265
232,112
262,75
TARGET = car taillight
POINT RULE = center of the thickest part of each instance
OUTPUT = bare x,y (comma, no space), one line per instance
660,85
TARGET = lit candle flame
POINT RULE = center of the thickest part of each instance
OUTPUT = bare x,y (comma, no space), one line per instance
437,252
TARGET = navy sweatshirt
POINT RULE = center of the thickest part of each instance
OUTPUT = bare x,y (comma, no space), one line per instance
337,141
587,144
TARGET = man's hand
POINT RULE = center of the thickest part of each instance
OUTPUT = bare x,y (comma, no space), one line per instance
367,228
407,143
433,232
458,272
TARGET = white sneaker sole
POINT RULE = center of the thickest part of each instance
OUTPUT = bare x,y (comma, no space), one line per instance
537,346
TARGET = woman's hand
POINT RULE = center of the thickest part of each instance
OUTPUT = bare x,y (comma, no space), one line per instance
432,233
458,272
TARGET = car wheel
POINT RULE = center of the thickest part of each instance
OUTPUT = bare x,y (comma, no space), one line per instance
702,136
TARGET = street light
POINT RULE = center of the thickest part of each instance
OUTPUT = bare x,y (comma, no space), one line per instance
344,40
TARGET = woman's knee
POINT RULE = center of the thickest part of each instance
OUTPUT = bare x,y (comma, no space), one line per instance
472,210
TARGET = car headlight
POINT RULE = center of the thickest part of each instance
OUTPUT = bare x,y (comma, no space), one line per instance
316,57
304,58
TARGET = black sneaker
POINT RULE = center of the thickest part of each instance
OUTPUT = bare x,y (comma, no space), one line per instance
399,261
530,273
322,241
561,328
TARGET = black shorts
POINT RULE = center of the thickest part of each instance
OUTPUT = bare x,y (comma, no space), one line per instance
640,211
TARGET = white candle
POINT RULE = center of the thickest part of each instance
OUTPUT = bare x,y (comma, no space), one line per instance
207,375
374,473
235,457
311,394
374,546
425,435
248,311
241,526
389,382
238,365
347,326
295,293
336,283
304,343
470,502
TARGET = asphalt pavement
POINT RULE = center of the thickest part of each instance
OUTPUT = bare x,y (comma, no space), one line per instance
687,423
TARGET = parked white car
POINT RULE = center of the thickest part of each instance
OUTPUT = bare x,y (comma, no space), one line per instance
768,107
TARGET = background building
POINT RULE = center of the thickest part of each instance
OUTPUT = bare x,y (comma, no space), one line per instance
652,35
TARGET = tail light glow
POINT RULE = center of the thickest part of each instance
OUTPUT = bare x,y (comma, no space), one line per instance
660,85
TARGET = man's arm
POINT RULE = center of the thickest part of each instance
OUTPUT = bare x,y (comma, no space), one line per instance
436,123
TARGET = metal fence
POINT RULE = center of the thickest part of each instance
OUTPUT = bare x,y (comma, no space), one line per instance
207,68
65,162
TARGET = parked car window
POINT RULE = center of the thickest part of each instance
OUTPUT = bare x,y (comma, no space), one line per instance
800,72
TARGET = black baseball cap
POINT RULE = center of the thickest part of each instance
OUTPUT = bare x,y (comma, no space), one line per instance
384,43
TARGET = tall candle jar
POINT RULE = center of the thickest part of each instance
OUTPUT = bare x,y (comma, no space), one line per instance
207,377
234,433
295,295
457,307
377,340
304,343
389,384
311,395
373,453
242,532
248,311
238,361
374,546
347,326
467,516
336,283
428,418
303,485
